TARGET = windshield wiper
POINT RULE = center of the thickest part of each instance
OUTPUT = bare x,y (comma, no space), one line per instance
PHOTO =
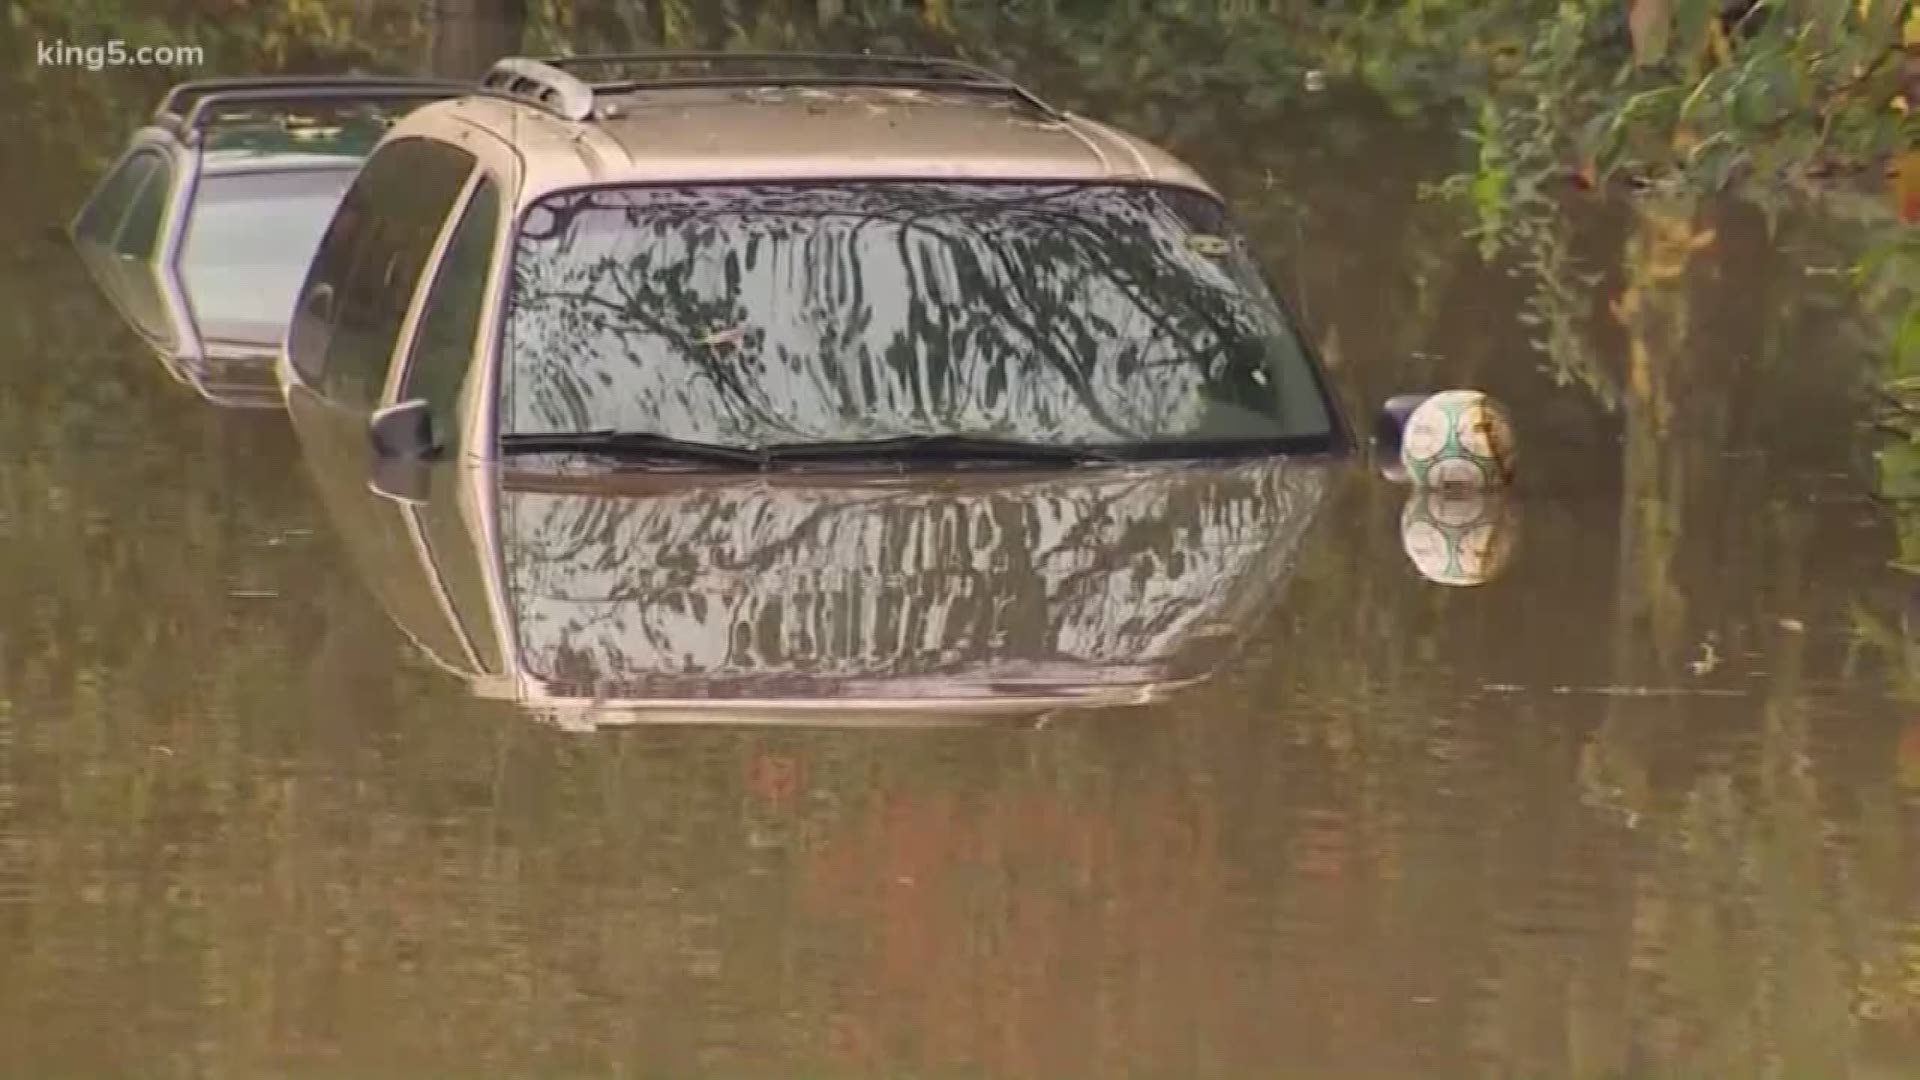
632,445
939,448
647,446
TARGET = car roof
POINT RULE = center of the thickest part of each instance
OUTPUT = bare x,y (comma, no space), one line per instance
846,127
280,123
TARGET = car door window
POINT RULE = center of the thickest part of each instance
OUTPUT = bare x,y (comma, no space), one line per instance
446,348
143,293
315,310
370,264
143,290
101,217
139,235
444,345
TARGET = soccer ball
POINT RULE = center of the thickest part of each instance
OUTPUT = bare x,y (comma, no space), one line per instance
1458,438
1459,535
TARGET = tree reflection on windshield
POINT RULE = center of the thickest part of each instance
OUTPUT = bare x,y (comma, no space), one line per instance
751,315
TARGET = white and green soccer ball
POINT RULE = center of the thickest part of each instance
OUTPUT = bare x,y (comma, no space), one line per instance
1458,439
1459,535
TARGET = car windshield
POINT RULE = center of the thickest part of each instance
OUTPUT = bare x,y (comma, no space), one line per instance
248,241
759,315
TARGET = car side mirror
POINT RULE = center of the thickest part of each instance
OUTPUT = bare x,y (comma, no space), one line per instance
404,446
404,431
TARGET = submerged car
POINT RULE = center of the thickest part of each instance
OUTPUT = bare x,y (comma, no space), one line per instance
823,387
202,230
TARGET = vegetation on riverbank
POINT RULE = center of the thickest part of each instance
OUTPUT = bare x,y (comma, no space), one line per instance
1764,96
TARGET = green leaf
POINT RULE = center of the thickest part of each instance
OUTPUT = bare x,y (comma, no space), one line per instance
1906,345
1899,469
1694,20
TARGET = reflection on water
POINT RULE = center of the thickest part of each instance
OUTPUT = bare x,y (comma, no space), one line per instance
1644,805
948,587
1460,536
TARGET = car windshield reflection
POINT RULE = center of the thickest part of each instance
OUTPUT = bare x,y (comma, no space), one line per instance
1099,586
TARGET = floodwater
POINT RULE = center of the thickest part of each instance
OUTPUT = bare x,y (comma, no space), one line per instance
1647,804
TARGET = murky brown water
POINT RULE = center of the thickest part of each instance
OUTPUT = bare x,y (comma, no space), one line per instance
1648,805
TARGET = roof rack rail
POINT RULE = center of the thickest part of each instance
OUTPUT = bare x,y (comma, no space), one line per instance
188,107
552,82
